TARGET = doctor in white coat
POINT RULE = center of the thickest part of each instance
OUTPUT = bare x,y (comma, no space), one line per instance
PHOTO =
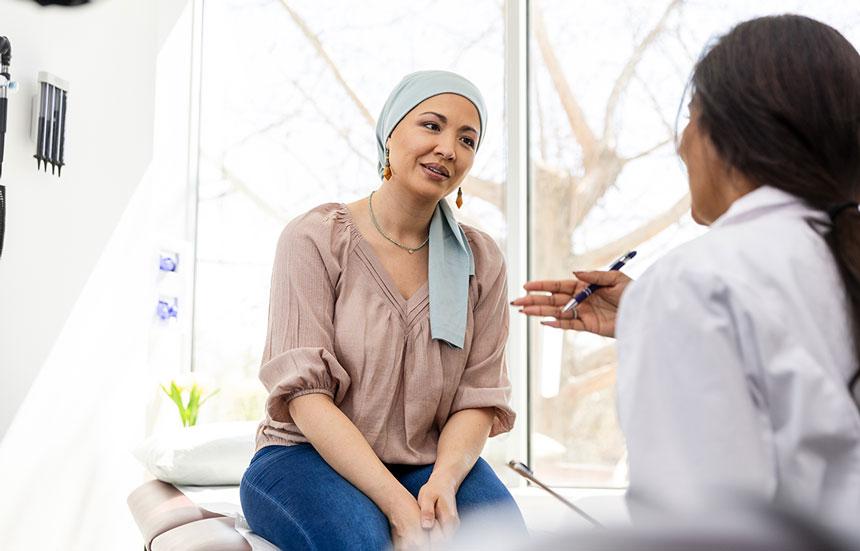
739,351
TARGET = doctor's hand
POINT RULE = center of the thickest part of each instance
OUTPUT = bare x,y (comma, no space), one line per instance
595,315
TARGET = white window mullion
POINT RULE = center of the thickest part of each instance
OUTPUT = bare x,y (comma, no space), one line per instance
516,208
193,179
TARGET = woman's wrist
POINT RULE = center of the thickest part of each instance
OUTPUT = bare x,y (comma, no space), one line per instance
445,477
395,500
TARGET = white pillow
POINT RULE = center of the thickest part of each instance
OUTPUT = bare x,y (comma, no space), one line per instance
212,454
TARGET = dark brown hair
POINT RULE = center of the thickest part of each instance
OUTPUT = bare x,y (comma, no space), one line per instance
779,97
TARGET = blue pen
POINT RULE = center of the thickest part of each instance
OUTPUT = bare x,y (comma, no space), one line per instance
588,291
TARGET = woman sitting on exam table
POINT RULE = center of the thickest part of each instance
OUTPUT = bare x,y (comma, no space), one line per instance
384,359
738,352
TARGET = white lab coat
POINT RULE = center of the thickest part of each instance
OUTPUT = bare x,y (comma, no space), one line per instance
734,355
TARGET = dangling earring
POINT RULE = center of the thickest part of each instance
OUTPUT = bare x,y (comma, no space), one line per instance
459,197
386,171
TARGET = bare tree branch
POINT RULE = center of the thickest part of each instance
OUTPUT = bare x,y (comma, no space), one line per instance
552,179
670,128
342,132
242,187
262,130
594,184
594,360
593,381
540,119
607,253
648,151
315,42
629,70
239,185
488,190
689,53
575,115
477,38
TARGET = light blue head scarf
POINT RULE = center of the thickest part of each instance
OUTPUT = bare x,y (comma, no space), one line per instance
451,261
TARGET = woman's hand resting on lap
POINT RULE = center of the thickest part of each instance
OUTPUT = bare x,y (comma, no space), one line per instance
406,530
595,315
438,502
428,522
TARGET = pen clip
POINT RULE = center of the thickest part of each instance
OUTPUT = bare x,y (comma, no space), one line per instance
626,257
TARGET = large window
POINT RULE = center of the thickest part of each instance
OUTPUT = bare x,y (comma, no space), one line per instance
289,94
290,91
606,84
605,105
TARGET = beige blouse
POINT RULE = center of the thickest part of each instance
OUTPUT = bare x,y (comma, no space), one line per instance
339,326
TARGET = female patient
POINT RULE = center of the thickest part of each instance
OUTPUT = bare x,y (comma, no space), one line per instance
739,351
385,352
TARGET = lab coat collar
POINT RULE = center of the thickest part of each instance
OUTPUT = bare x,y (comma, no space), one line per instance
762,200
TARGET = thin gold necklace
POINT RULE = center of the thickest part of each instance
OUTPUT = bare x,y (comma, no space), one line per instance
382,233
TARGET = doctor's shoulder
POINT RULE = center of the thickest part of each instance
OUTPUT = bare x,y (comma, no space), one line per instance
706,266
751,249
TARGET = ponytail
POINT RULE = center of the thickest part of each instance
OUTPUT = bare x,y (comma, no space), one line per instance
844,242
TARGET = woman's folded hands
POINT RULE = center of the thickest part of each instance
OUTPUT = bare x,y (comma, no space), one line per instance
438,502
428,522
406,530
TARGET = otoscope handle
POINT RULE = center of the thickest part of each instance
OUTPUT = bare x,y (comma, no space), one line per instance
3,102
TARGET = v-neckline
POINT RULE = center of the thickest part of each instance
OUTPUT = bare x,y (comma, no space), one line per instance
387,281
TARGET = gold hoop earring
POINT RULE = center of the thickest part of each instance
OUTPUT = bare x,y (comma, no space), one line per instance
386,171
459,197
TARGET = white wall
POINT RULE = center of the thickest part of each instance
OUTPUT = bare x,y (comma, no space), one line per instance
78,278
56,228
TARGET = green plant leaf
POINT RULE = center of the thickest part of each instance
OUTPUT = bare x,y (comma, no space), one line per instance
192,414
194,396
188,412
211,394
175,395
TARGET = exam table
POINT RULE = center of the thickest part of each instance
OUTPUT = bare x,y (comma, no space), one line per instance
174,518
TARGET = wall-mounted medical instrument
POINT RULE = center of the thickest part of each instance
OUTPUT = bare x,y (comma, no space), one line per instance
169,283
49,122
168,261
6,84
62,2
168,307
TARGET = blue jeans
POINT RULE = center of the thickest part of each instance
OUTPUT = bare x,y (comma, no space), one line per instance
294,499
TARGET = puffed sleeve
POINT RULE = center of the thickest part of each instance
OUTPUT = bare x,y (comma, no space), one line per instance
298,357
688,406
485,381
